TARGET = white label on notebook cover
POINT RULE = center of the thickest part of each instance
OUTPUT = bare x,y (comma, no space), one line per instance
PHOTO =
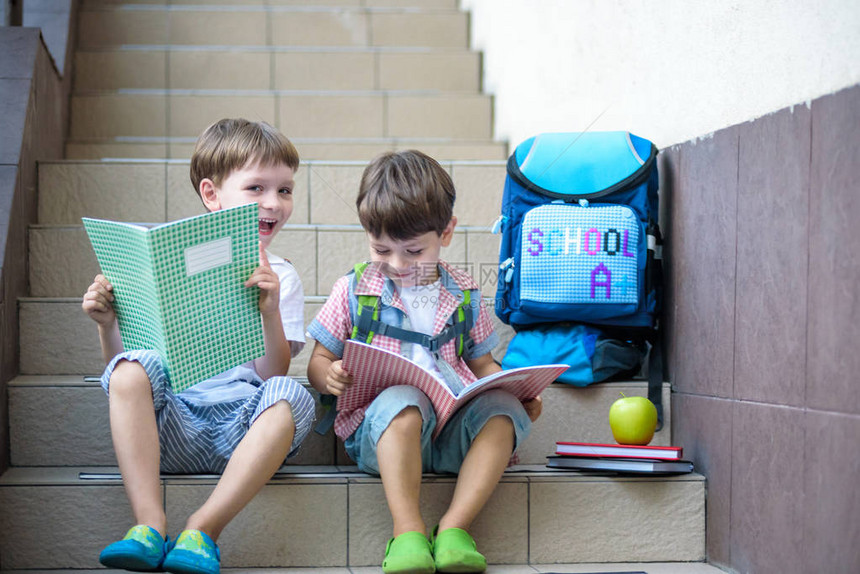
209,255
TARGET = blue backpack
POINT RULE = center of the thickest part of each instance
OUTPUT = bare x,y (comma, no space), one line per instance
579,260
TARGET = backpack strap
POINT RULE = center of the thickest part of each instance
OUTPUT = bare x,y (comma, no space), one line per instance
367,322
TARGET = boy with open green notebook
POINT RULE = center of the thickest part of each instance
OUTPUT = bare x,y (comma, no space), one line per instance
242,423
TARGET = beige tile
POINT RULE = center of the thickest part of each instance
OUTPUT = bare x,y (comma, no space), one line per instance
650,567
191,114
180,150
114,70
455,253
333,189
127,192
119,27
443,71
109,3
342,151
625,520
33,514
424,4
334,28
299,246
340,250
479,192
82,440
324,71
331,116
62,263
483,256
82,150
220,3
283,525
182,199
57,337
477,150
112,115
299,364
223,28
302,194
456,117
435,30
331,3
500,530
222,70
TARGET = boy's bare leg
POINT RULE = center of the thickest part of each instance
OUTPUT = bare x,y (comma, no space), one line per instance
135,440
259,455
480,472
399,454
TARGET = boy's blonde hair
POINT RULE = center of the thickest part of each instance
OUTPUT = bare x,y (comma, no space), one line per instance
405,194
231,144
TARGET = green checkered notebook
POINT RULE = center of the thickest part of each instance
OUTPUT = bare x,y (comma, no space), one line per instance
179,289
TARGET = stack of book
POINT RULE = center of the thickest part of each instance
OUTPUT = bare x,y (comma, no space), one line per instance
619,458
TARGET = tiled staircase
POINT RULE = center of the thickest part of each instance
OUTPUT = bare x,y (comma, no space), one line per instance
344,79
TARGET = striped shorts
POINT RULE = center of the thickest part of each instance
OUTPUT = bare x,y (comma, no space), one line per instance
201,438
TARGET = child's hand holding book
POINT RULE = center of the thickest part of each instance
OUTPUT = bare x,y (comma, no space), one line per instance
337,380
98,301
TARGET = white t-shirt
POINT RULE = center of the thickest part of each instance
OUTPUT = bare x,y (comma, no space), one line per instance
421,302
234,383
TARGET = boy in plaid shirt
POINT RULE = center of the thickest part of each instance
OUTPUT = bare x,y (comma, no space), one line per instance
405,205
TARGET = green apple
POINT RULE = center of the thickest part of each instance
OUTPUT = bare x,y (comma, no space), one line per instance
633,420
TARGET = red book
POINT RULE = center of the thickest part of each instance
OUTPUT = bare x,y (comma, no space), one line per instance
374,369
618,450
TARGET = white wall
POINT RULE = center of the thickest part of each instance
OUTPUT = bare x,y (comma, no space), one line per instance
668,70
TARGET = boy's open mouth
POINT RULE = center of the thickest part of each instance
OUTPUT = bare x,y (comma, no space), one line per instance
267,225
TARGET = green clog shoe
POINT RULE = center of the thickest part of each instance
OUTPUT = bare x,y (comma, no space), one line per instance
408,553
455,551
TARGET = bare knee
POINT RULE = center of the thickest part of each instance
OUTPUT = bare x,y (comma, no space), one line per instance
499,426
279,415
407,421
129,378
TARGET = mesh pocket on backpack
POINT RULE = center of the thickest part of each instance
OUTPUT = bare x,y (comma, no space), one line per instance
575,254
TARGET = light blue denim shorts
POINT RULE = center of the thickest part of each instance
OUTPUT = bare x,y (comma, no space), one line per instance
446,453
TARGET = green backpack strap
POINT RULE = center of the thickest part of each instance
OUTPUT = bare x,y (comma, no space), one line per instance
367,322
367,312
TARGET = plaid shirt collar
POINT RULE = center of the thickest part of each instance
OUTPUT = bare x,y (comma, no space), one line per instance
374,282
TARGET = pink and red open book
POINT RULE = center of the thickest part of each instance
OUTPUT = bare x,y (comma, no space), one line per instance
374,369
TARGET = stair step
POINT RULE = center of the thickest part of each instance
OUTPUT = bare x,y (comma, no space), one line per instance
255,68
57,338
313,517
36,403
308,114
591,568
186,24
310,148
160,190
62,262
437,4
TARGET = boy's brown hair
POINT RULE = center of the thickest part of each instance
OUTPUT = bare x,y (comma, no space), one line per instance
405,194
230,144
